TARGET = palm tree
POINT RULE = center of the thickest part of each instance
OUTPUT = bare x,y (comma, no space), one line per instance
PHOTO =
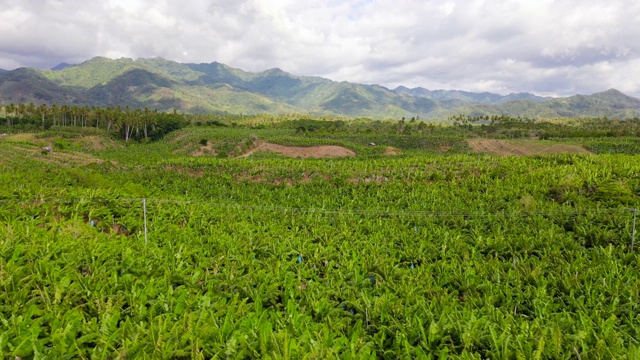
75,110
91,115
43,110
55,111
154,119
147,118
31,110
84,115
137,120
10,110
64,110
109,115
97,112
127,121
22,110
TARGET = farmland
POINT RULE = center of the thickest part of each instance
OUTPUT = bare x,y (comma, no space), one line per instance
206,244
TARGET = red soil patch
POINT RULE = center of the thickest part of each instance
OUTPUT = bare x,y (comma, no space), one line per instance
205,150
325,151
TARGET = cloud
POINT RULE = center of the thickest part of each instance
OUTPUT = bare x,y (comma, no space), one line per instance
549,47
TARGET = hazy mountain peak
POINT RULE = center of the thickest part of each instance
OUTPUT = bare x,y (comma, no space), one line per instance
61,66
274,71
612,91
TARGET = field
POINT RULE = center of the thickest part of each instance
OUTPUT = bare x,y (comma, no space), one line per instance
523,147
235,242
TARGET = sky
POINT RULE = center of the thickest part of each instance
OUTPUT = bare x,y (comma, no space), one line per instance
552,48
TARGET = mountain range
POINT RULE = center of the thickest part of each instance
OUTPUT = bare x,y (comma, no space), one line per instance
217,88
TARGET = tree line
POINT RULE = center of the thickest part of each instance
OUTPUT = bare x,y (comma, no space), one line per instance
130,124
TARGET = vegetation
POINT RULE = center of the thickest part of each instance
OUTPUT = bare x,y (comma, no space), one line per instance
501,126
217,88
139,249
137,124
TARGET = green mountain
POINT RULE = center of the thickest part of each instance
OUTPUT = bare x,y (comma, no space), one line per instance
216,87
198,88
611,103
29,85
466,96
61,66
608,103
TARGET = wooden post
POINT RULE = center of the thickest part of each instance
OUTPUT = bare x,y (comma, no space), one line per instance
144,207
633,229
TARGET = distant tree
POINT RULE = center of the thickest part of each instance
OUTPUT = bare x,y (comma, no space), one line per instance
99,114
31,110
10,112
55,111
64,110
147,117
43,110
22,110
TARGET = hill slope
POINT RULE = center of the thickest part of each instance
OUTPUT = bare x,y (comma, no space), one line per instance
166,85
28,85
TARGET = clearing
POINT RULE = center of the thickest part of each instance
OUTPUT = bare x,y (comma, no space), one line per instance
324,151
391,151
523,147
56,157
203,150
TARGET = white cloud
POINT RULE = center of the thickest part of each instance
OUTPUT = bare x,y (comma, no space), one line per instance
550,47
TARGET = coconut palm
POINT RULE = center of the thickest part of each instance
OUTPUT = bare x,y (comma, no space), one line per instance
43,110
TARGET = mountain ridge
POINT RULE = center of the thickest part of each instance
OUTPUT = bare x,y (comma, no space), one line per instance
215,87
62,66
483,97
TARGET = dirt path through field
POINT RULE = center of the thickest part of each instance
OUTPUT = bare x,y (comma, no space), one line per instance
324,151
523,147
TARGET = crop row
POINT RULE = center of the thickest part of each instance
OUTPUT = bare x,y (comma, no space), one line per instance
218,281
457,256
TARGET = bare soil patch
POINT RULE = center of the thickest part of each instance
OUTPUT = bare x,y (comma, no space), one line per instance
523,147
205,150
390,150
70,159
179,137
324,151
62,158
378,179
24,137
183,149
94,143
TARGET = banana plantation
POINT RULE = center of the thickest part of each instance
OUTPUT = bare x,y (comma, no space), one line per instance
226,240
